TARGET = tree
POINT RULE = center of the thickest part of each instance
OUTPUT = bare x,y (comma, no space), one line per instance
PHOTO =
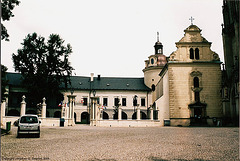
4,82
44,67
7,7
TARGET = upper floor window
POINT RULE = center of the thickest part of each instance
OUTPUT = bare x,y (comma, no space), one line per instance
196,82
197,53
116,101
191,53
143,102
124,102
105,101
85,101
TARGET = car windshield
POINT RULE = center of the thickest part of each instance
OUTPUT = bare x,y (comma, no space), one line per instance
29,119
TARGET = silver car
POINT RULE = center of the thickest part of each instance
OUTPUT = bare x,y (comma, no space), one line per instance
29,124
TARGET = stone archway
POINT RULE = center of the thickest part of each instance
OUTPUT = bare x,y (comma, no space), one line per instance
124,116
57,114
105,116
13,113
75,117
143,116
84,118
31,112
134,116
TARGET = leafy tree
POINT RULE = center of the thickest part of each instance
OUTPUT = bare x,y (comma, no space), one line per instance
4,82
7,7
44,67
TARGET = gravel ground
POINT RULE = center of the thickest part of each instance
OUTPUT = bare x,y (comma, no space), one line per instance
83,142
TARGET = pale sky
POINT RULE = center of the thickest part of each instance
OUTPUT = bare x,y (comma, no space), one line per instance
113,38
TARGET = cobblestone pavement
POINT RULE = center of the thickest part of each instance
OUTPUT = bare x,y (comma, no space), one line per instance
112,143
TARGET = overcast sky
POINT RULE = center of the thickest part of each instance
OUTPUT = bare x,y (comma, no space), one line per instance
113,37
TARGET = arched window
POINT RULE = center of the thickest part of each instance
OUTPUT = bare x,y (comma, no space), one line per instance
197,53
191,53
159,51
153,87
196,82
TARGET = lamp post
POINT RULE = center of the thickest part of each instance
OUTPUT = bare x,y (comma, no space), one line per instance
135,101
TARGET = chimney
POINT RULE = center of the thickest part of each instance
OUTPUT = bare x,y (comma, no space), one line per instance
92,74
99,77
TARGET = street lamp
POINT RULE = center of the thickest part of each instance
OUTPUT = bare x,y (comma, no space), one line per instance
135,101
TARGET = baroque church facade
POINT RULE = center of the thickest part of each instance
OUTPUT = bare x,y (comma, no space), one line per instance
180,90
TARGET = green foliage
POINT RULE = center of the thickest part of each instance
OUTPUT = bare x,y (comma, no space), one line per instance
44,66
4,82
7,7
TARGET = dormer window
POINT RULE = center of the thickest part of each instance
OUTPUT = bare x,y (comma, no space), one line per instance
152,61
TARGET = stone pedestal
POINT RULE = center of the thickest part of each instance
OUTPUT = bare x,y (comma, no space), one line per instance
151,113
119,113
94,111
3,109
71,100
138,113
44,108
23,106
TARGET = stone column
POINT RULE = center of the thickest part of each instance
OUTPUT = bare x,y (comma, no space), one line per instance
158,114
3,109
119,113
96,110
44,108
23,106
63,111
70,108
138,113
71,99
151,113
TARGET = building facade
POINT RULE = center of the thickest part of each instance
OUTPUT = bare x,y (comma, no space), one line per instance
181,90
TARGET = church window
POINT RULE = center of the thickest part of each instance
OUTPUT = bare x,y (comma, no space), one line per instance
197,96
124,102
196,82
152,61
191,53
159,51
197,53
105,101
153,87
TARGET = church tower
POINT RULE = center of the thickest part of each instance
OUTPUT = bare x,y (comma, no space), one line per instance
194,74
154,65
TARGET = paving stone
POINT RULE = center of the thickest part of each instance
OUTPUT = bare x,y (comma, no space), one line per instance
109,144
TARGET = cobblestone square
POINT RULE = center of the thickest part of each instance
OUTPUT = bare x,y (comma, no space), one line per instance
82,142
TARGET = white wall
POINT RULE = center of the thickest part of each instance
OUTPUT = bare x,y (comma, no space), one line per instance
162,104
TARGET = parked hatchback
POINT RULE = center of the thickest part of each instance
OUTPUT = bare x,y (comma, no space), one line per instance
29,124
